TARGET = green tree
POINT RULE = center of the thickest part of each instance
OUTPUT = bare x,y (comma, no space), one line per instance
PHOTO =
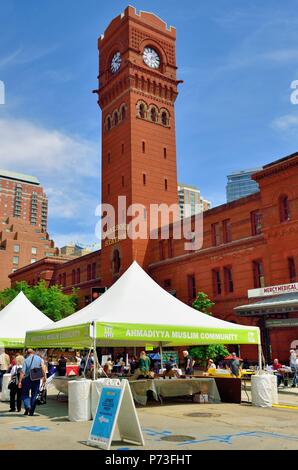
211,351
51,301
203,303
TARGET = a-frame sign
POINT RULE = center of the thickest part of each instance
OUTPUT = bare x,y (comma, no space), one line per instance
115,406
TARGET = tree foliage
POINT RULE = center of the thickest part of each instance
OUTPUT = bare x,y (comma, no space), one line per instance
50,300
211,351
203,303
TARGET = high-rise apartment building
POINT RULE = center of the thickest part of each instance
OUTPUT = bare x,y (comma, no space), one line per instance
22,197
190,201
241,184
23,224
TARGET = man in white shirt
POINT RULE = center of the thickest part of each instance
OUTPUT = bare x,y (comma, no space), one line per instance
4,365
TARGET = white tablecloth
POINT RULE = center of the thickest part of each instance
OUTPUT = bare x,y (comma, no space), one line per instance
174,388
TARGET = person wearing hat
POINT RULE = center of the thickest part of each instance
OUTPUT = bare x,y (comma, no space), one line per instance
293,365
210,364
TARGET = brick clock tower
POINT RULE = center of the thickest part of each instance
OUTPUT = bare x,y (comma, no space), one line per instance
137,91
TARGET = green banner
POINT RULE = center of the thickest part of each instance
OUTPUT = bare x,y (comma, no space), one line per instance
175,335
72,337
12,343
80,336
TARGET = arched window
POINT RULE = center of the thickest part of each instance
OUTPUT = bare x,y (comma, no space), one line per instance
164,118
123,113
153,115
284,210
109,123
116,262
115,118
142,111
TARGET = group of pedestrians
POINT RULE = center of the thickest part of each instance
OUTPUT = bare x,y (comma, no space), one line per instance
26,375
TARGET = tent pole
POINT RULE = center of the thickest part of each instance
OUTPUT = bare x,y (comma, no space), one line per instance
161,359
94,351
260,356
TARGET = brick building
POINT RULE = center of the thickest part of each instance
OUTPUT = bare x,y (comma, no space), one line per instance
83,273
23,223
248,243
21,244
22,197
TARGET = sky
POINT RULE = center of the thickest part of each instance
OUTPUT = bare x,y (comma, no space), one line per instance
234,110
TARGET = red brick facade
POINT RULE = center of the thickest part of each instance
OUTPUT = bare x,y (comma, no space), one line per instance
138,125
23,198
247,243
21,244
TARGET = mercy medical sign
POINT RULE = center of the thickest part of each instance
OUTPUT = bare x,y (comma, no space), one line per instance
273,290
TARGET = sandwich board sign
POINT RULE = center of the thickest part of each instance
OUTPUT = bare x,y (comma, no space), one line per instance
115,407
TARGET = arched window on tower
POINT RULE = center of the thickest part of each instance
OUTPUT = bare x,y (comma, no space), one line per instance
142,111
153,114
123,112
164,118
116,262
115,118
284,209
109,123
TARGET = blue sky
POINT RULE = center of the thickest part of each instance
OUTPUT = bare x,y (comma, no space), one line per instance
237,60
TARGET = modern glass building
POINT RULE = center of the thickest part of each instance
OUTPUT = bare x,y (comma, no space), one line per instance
240,184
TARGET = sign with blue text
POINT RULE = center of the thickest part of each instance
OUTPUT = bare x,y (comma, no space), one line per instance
115,407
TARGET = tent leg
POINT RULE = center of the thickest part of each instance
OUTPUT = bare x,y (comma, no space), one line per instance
161,359
260,356
94,352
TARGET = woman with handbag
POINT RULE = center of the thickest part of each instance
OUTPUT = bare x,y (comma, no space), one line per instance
32,373
15,391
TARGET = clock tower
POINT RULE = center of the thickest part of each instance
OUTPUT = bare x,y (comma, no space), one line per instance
137,91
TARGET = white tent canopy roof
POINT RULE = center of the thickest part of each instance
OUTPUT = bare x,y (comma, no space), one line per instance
16,318
136,299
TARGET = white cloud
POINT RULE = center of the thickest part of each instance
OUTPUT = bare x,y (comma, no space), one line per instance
26,146
24,55
71,202
286,122
85,239
68,169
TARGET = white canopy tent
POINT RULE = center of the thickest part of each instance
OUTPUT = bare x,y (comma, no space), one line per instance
136,311
16,318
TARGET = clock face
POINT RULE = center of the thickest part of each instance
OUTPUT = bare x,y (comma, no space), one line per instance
151,58
116,62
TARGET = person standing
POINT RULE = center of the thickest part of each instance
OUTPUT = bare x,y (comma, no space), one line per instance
293,365
188,363
78,358
61,366
15,391
143,367
108,367
32,372
4,365
276,366
235,365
